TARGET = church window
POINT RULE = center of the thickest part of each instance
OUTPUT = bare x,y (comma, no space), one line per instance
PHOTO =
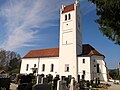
98,71
52,67
65,17
66,67
83,72
83,60
66,42
34,65
27,66
69,16
43,67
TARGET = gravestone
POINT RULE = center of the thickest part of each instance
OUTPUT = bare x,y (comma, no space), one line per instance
42,87
41,76
83,77
55,82
81,84
29,86
91,81
63,85
22,86
78,78
71,85
50,78
26,79
45,80
58,83
98,80
63,77
69,79
39,79
88,83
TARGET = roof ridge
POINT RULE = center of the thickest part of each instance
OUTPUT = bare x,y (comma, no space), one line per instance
44,49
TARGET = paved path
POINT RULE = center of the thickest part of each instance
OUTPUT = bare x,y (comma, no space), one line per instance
13,86
114,86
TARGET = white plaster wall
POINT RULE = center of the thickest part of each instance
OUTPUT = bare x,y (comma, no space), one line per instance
31,62
48,61
103,70
78,31
67,25
84,66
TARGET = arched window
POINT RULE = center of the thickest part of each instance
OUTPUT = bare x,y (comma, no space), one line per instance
98,70
65,17
83,72
66,67
83,60
43,67
34,65
52,67
27,66
69,16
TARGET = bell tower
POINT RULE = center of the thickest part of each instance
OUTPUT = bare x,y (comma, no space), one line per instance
70,39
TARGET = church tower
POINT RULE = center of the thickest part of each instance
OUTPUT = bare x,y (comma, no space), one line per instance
70,39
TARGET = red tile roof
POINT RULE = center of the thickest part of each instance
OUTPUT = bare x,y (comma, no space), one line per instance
68,8
50,52
54,52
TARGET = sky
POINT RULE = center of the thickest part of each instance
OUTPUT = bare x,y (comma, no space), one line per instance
34,24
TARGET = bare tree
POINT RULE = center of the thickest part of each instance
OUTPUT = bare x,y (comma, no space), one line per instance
8,59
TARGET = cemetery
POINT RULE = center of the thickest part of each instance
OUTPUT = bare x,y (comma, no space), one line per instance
29,82
48,82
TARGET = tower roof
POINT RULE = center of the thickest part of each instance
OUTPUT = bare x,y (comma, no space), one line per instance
68,8
88,50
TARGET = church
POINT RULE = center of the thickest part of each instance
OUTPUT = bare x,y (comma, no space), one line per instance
71,57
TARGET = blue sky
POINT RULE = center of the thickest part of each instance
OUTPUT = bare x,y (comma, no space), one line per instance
34,24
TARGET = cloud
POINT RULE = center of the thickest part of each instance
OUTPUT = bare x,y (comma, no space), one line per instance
24,19
22,15
89,7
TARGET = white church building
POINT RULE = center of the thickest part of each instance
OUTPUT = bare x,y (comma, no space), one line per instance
72,57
